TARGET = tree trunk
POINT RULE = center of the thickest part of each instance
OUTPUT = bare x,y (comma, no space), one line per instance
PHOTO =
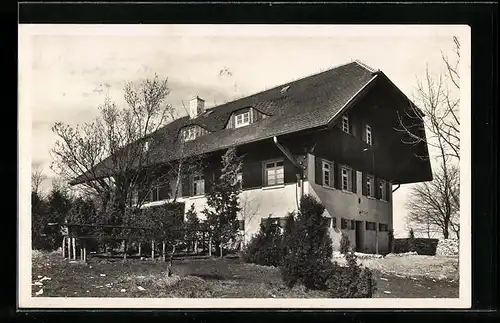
163,250
170,261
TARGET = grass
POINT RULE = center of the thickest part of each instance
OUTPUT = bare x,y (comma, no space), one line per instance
199,278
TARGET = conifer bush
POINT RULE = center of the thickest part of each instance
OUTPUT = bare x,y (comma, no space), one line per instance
265,248
344,244
309,247
351,281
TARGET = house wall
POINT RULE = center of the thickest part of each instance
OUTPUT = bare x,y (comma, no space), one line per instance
353,206
256,204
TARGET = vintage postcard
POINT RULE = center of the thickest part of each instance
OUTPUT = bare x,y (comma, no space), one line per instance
244,166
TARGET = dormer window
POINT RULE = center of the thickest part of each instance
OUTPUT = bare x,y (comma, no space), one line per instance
345,124
242,119
192,132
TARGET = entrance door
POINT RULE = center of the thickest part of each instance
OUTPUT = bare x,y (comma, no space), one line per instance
359,236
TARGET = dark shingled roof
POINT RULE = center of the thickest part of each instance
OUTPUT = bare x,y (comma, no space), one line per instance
307,103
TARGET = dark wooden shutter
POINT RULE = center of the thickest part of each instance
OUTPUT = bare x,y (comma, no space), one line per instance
362,132
252,174
363,183
388,190
318,171
377,188
336,174
208,176
186,189
354,181
290,171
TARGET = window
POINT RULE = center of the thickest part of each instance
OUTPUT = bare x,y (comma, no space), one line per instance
327,171
370,226
346,179
370,185
274,173
334,222
382,190
382,227
189,133
242,119
197,185
368,134
347,224
345,123
160,190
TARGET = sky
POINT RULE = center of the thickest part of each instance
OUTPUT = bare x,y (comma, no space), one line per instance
67,70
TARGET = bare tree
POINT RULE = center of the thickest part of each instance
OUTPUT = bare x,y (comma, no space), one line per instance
434,206
113,156
438,100
249,209
37,178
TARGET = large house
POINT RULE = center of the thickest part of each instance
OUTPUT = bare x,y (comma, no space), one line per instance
333,135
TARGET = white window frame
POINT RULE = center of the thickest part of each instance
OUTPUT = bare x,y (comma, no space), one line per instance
382,189
189,133
345,123
368,135
370,185
197,181
275,169
348,172
240,123
327,167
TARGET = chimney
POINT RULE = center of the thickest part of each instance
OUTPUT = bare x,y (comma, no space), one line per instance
196,107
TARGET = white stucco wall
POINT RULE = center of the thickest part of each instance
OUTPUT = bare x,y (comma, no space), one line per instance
352,206
256,204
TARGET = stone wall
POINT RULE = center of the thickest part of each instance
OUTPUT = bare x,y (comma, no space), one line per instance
447,248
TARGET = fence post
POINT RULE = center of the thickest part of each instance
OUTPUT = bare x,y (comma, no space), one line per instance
64,247
85,253
210,245
139,249
73,242
69,247
163,250
152,250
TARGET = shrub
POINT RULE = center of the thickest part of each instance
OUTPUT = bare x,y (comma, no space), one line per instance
345,245
352,281
265,248
309,247
411,241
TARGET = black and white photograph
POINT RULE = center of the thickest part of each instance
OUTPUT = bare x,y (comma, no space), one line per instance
216,166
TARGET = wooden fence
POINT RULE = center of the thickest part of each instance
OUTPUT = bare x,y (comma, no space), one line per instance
77,236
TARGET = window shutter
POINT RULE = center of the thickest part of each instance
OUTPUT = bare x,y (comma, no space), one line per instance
363,131
289,170
186,189
252,174
318,170
208,176
336,173
388,191
363,183
377,188
354,181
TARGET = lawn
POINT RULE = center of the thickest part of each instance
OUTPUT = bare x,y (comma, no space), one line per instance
210,277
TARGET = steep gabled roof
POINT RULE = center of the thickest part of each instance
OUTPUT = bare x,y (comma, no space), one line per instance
307,103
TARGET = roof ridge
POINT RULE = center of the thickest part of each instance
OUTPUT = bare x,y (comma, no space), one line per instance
366,66
284,84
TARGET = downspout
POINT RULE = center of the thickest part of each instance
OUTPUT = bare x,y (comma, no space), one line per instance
300,175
